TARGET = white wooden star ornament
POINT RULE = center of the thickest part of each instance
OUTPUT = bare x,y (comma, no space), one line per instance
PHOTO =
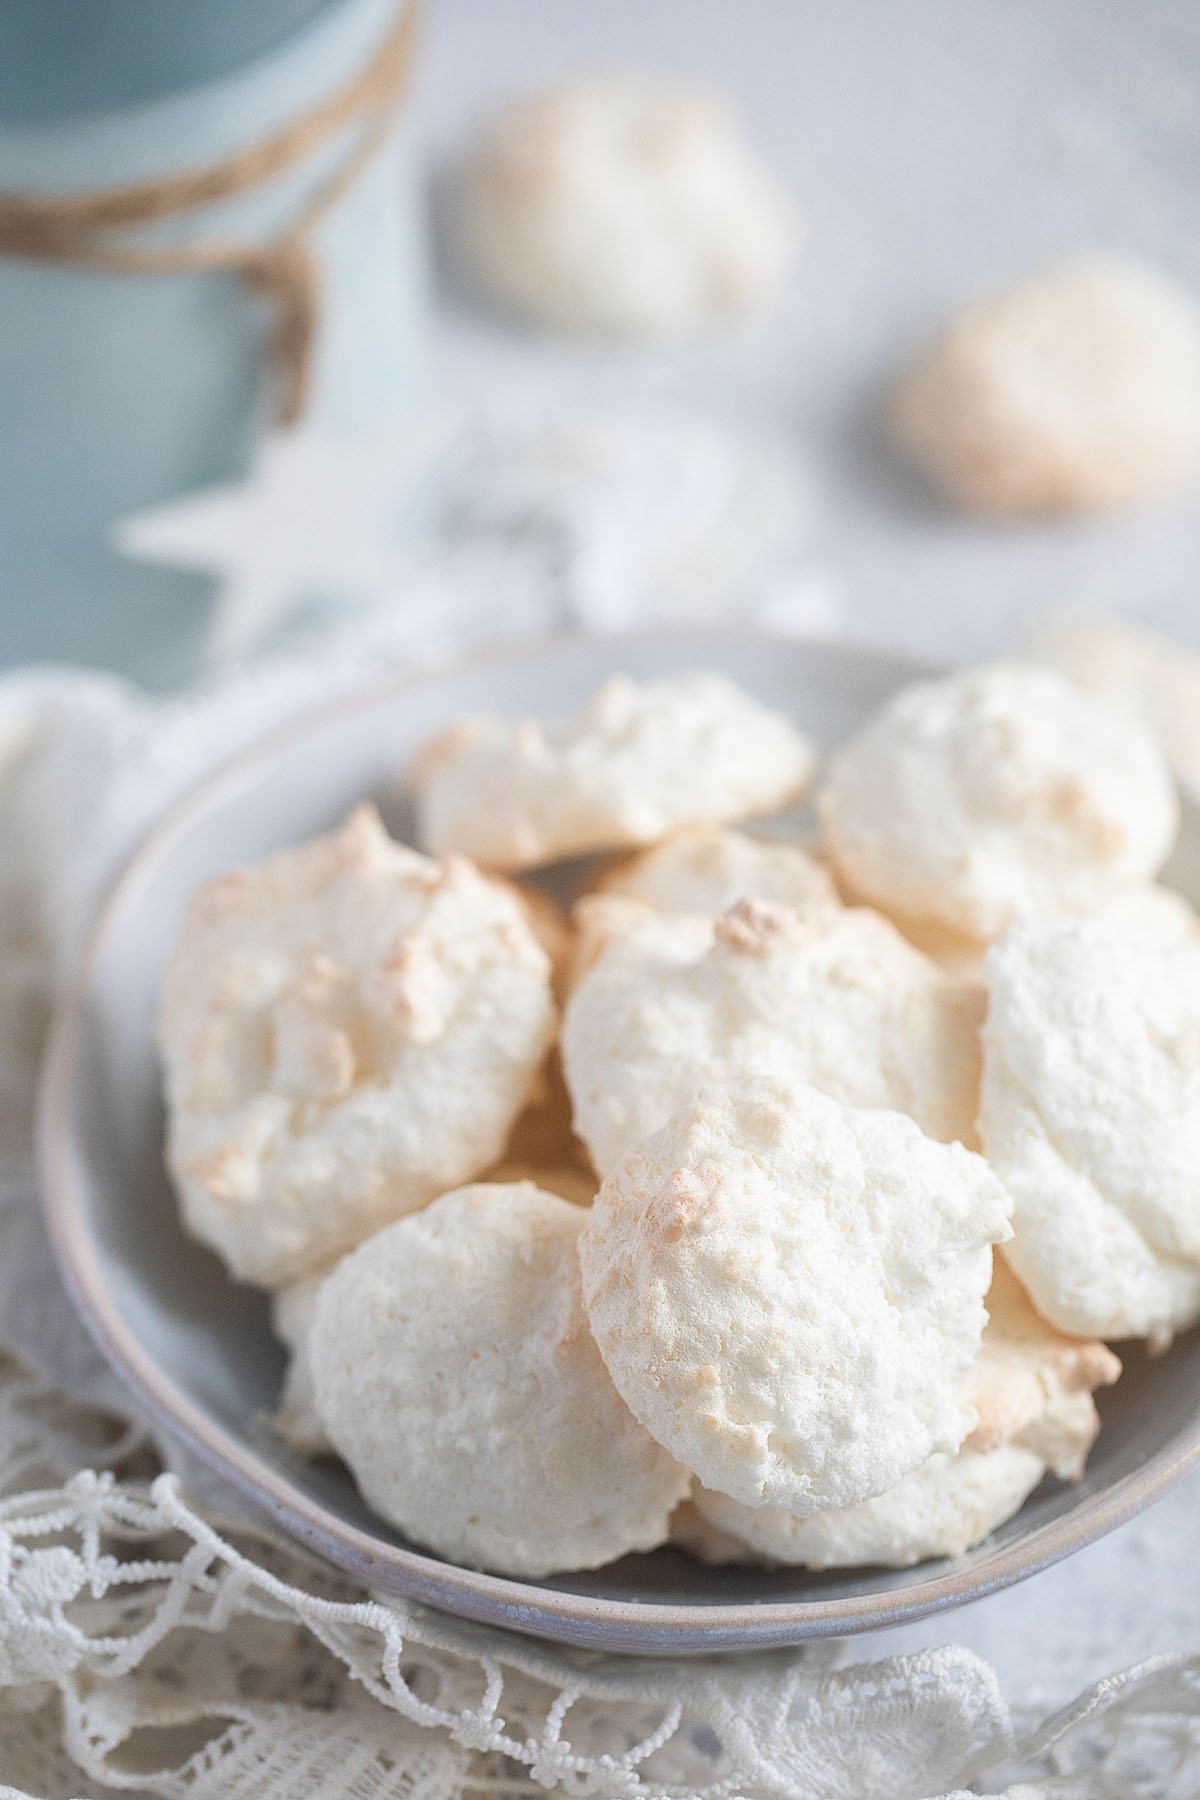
319,519
498,521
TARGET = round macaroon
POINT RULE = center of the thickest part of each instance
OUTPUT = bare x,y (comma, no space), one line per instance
1091,1116
456,1375
833,997
1032,1389
1152,676
619,204
642,759
347,1029
788,1292
297,1421
943,1508
707,868
993,792
1076,391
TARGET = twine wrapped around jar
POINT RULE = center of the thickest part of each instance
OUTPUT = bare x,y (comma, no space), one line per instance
84,230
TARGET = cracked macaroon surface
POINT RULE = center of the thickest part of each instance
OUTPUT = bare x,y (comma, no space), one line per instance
1091,1115
1032,1390
456,1374
347,1028
994,792
833,997
1032,1384
640,760
788,1292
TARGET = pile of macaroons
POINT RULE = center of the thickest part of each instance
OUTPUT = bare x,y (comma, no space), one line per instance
779,1200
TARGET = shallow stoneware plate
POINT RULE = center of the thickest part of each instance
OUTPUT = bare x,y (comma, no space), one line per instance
198,1348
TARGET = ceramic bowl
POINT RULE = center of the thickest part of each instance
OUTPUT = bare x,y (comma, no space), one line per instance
199,1349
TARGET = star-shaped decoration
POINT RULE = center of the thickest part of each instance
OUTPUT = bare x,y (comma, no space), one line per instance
321,519
500,518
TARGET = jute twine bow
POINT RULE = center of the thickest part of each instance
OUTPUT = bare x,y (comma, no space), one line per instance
84,230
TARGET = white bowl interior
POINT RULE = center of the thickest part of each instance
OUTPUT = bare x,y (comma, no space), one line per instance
201,1346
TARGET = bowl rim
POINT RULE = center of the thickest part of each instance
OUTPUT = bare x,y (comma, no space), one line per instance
586,1620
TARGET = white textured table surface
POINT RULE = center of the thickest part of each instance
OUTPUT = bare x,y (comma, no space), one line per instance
933,149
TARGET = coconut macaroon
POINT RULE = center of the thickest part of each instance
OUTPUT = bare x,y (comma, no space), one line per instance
1091,1116
1032,1384
1150,676
640,760
707,868
1148,905
621,205
834,997
943,1508
457,1377
1032,1389
1074,392
297,1421
347,1029
788,1293
993,792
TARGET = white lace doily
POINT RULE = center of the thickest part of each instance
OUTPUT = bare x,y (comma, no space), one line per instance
153,1638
